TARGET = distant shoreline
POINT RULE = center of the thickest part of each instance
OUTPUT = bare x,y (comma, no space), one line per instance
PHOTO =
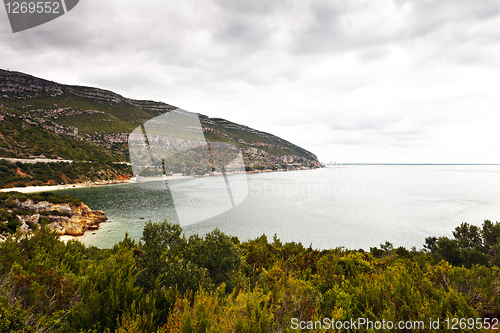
34,189
430,164
45,188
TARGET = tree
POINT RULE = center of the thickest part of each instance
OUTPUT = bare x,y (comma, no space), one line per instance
470,244
217,253
158,238
467,248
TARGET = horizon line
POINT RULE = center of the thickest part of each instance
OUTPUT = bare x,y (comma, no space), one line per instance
382,163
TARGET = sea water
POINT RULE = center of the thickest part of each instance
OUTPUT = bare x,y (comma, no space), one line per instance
343,206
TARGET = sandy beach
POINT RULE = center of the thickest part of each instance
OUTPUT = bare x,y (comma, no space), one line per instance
33,189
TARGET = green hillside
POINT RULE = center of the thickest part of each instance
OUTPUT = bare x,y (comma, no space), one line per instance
21,138
41,118
17,174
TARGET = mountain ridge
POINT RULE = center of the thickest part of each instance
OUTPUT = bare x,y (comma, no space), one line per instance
99,117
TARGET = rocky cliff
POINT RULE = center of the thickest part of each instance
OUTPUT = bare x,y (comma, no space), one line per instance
64,219
105,118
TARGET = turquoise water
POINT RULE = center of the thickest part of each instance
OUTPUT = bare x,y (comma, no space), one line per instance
351,206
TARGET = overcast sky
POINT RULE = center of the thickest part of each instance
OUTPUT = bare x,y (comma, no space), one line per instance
351,81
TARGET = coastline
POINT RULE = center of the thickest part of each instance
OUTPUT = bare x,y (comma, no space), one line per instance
34,189
46,188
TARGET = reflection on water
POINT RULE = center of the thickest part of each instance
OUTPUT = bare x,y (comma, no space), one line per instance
355,206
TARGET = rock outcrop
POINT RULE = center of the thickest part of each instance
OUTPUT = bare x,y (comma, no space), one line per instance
70,219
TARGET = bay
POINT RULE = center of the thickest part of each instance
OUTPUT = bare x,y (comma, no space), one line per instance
346,206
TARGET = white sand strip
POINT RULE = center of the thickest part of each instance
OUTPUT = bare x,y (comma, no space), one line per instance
33,189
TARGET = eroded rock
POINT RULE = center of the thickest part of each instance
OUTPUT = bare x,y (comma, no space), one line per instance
81,218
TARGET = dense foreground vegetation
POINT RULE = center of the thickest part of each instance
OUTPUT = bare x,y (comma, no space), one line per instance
170,283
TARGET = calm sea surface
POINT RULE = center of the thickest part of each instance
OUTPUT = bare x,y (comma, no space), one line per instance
350,206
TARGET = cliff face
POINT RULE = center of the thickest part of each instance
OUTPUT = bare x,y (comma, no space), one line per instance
259,149
105,118
255,158
71,219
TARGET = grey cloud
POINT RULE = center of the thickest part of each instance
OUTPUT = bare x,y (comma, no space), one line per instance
357,125
329,31
429,16
326,32
227,53
254,7
346,121
95,29
241,29
248,26
351,142
360,139
389,129
242,32
373,53
123,81
381,133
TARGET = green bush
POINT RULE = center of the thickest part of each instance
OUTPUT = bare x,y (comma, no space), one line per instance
167,283
12,318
